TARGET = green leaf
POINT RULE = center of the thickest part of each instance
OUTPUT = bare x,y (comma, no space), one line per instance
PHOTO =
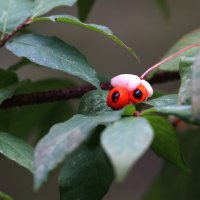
165,143
104,78
175,184
156,94
63,138
188,39
163,101
154,193
44,6
168,105
129,110
19,64
39,118
183,112
13,13
7,92
7,78
4,196
44,85
185,70
195,82
86,175
125,142
84,7
164,7
53,53
8,84
92,103
17,150
94,27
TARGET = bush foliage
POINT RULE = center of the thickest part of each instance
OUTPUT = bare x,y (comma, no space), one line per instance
96,145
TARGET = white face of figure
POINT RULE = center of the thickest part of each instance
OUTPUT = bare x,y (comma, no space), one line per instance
131,82
128,81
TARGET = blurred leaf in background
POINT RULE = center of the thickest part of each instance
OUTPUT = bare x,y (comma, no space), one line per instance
4,196
164,7
17,150
86,174
84,8
175,184
38,118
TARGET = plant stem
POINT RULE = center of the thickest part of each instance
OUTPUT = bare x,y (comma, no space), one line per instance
70,93
169,58
19,64
49,96
9,36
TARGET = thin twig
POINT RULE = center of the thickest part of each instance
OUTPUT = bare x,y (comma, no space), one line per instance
169,58
9,36
47,96
71,93
19,64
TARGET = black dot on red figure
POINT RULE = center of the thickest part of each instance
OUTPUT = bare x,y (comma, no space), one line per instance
115,96
139,95
118,97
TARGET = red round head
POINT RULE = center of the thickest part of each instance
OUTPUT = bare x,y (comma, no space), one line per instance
118,97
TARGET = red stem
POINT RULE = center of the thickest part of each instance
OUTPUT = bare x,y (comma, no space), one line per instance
168,58
9,36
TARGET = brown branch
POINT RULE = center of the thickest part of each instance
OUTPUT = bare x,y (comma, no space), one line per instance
70,93
47,96
15,31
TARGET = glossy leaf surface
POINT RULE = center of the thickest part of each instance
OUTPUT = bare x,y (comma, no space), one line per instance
64,138
13,13
125,142
53,53
165,143
86,175
84,7
17,150
94,27
43,6
175,184
92,103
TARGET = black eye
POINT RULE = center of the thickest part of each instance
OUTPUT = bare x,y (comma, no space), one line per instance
137,94
115,96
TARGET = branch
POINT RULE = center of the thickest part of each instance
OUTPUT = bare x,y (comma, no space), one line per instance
47,96
71,93
9,36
